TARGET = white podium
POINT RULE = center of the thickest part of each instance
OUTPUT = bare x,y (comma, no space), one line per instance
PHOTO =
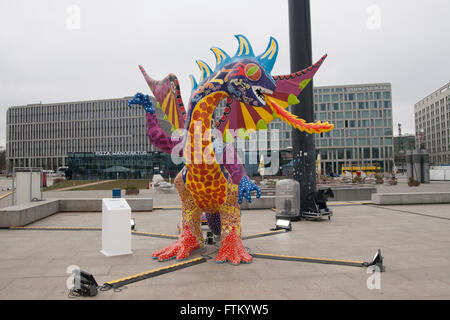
116,227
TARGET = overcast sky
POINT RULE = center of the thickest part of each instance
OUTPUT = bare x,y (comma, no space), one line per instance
56,51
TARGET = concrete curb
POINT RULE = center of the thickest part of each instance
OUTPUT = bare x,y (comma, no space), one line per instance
411,198
21,215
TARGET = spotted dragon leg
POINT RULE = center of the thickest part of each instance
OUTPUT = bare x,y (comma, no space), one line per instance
191,238
232,249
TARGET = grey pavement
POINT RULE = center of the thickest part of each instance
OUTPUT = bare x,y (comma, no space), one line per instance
414,241
33,264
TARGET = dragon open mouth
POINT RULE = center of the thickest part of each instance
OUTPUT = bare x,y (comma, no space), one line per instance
259,93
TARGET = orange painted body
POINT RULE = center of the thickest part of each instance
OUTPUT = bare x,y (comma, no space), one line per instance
204,178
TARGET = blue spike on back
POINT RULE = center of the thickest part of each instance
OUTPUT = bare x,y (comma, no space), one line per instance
245,49
193,82
269,56
205,69
222,58
266,59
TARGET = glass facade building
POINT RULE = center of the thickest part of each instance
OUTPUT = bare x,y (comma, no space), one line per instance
121,165
363,126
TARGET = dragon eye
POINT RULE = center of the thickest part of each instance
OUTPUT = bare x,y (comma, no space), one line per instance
252,71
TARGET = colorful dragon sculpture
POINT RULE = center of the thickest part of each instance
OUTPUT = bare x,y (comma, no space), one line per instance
206,185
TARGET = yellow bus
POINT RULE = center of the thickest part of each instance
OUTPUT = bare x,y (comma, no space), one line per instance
366,170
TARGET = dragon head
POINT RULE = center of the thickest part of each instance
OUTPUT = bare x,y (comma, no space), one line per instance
245,77
248,81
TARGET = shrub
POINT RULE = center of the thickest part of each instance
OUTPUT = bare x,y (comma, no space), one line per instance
58,180
379,178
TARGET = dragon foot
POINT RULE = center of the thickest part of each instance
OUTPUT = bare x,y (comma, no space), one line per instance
233,250
181,249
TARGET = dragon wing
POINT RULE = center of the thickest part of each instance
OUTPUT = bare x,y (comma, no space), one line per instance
244,118
291,85
167,94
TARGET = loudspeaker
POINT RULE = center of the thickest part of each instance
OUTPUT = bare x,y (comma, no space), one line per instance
85,284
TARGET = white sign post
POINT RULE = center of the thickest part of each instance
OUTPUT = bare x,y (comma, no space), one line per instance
116,227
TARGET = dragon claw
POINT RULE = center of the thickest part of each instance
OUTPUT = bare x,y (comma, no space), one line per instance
245,187
181,249
233,250
144,101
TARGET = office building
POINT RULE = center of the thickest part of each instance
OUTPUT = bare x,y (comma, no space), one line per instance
432,123
42,135
363,128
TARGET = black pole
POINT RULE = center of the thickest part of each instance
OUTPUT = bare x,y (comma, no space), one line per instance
304,150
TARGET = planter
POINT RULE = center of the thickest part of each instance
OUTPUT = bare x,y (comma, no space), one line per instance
413,183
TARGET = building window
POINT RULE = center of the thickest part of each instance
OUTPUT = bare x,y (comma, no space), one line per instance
375,141
349,153
375,152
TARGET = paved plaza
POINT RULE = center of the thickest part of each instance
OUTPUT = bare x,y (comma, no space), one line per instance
414,241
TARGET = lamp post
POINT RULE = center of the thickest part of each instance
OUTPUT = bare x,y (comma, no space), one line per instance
304,151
